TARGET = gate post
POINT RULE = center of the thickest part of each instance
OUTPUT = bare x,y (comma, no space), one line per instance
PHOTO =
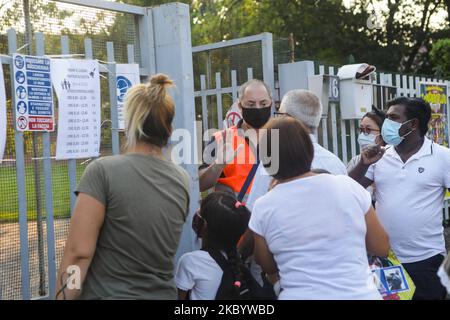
173,56
268,62
21,187
47,162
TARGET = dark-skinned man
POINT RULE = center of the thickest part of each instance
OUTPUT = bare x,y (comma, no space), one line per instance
411,175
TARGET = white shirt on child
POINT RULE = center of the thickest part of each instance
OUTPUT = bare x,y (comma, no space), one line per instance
198,272
315,228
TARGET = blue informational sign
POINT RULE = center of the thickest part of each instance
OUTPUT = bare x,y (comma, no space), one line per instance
123,84
22,107
40,93
34,95
40,108
21,92
20,77
37,64
38,79
19,62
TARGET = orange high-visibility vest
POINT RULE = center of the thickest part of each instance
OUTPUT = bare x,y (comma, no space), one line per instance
235,173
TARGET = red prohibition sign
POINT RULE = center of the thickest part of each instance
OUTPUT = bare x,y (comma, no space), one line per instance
233,118
22,123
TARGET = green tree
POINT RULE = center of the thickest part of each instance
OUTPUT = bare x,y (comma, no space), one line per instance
41,13
440,57
330,32
324,30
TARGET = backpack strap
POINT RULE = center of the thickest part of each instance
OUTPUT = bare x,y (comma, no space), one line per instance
227,278
219,259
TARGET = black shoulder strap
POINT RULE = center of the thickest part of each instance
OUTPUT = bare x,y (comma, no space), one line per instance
250,176
225,283
219,259
247,182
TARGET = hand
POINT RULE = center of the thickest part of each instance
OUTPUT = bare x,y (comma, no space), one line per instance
371,154
273,278
225,153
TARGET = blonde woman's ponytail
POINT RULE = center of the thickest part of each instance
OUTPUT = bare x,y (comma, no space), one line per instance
149,112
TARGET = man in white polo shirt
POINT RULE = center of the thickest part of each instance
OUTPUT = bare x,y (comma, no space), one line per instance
411,175
306,107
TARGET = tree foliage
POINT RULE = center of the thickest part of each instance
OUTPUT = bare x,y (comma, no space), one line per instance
400,40
394,35
440,57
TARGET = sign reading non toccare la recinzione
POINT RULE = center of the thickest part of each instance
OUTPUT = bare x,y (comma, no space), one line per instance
127,75
34,108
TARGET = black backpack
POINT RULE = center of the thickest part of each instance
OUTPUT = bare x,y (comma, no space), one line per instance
250,289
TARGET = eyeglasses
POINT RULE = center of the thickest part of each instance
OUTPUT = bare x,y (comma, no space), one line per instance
368,130
281,114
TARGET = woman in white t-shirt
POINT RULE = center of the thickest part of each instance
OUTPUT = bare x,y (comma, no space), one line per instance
313,231
220,223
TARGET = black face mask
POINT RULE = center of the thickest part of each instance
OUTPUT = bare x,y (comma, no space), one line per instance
256,117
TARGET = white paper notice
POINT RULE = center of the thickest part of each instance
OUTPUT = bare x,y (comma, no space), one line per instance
77,86
127,75
2,115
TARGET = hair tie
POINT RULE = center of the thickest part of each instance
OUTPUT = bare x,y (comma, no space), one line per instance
237,284
238,204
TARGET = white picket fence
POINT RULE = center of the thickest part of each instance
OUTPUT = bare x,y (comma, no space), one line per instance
338,136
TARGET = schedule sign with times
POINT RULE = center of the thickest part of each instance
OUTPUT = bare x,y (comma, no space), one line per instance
77,86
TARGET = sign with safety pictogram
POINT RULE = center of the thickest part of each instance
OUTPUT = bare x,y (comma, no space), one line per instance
127,75
34,107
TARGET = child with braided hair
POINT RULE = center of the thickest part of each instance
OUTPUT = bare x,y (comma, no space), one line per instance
220,222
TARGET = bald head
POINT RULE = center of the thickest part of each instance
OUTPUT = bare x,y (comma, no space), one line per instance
254,84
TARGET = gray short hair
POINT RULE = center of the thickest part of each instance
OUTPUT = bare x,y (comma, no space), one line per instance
303,105
252,82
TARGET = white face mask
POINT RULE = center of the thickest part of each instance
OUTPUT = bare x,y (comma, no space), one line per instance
365,140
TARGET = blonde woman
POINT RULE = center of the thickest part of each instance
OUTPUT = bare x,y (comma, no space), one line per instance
130,209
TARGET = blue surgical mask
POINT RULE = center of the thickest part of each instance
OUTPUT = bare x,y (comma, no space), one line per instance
365,140
390,130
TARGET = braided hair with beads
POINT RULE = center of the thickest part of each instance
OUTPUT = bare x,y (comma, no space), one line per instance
227,220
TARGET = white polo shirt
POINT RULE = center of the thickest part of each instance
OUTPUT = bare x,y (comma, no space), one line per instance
410,199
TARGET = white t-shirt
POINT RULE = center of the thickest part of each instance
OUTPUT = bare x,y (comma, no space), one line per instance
197,271
323,159
410,198
351,165
315,227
